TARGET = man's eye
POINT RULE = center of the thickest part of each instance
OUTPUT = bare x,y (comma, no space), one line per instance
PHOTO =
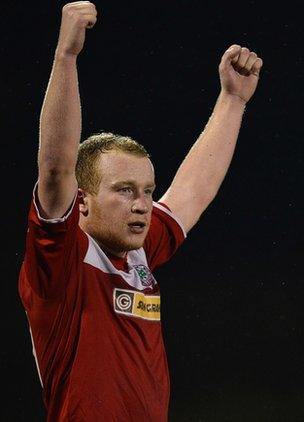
125,189
148,191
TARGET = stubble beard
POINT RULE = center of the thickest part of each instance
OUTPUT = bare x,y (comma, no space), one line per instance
115,244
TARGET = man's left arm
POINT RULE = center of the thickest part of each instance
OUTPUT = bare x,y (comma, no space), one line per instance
201,173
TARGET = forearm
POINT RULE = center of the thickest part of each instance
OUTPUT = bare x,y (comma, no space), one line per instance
60,126
206,164
203,169
60,119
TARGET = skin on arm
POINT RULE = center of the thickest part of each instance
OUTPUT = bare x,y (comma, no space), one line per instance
60,119
200,175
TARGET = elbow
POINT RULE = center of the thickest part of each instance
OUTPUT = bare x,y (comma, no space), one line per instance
205,194
205,200
55,171
54,166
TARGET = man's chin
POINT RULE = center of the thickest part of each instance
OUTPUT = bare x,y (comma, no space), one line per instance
133,245
133,242
119,247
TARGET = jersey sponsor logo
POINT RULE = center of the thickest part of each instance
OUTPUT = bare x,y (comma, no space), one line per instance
145,275
137,304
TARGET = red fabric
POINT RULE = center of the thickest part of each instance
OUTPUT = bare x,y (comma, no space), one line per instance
95,364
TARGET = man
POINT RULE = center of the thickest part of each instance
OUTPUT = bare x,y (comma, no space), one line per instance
95,236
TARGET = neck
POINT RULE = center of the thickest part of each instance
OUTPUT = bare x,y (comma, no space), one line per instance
118,254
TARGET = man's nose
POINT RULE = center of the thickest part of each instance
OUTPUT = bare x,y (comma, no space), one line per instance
140,206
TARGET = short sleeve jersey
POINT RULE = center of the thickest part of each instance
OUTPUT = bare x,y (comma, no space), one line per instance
95,320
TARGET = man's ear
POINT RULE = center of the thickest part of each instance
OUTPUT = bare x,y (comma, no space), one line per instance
83,202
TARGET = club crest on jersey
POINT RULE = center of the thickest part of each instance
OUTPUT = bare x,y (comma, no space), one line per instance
137,304
145,275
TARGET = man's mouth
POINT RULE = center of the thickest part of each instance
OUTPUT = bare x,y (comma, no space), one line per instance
137,227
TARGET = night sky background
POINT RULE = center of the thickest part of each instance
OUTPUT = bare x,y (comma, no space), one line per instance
232,296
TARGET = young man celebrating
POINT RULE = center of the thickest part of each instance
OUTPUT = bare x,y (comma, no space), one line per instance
95,235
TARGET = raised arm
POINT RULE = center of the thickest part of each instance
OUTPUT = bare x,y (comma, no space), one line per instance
200,175
60,120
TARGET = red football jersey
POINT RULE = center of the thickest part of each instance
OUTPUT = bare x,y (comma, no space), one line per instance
95,320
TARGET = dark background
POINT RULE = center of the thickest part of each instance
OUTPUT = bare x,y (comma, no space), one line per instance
232,297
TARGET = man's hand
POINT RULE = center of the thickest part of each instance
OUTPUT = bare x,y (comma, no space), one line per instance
239,72
76,18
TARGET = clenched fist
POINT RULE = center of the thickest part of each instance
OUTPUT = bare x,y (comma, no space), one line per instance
76,18
239,71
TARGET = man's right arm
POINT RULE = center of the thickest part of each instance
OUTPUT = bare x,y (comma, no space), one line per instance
60,120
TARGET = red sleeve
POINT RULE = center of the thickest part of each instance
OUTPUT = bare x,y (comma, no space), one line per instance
165,235
51,248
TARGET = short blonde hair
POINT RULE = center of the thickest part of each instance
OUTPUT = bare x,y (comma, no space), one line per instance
87,174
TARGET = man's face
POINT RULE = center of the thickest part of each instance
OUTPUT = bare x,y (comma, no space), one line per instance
118,216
